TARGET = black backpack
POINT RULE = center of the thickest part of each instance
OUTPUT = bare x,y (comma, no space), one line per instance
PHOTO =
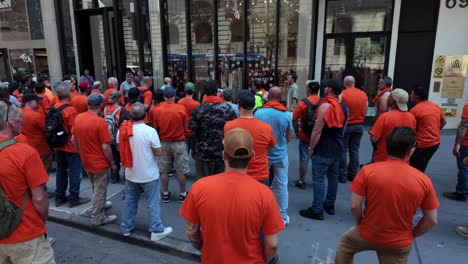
307,118
56,135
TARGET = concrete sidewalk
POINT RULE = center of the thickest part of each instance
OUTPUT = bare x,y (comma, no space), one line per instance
304,240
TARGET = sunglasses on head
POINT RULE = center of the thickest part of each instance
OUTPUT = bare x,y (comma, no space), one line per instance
8,103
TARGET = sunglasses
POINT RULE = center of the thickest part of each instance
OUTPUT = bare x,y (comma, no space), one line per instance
8,103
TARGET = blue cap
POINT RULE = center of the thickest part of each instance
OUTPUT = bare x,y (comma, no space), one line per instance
169,92
246,100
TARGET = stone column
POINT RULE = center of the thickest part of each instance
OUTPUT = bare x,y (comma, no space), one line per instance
51,40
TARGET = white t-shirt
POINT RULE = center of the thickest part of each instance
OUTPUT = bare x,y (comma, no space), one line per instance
145,165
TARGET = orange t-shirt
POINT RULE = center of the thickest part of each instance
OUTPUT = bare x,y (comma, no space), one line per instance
171,119
263,137
107,94
54,100
465,116
147,96
44,103
232,209
428,119
19,174
91,132
189,105
300,111
18,95
110,109
384,124
80,102
34,130
21,138
392,199
356,101
48,94
68,116
152,111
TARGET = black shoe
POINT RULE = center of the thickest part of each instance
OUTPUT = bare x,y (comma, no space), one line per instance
115,180
80,201
60,202
166,197
455,196
329,209
342,179
182,197
300,184
308,213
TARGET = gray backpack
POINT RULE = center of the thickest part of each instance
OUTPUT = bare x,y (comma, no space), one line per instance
10,214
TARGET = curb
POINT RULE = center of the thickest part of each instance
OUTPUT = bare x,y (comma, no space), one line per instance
168,245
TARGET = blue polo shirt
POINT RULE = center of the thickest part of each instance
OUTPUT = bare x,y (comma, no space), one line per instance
281,123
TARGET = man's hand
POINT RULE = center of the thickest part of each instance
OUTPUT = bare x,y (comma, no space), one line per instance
311,152
113,167
456,150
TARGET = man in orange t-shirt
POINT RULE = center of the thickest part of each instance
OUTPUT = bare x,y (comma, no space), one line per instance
146,92
188,102
91,137
80,102
44,103
299,115
172,121
226,226
429,121
392,199
397,116
356,101
34,127
22,179
113,86
68,159
261,132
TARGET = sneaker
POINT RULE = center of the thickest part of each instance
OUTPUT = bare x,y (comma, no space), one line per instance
51,241
127,234
455,196
182,198
80,201
462,231
300,184
108,205
109,219
329,209
51,194
161,235
166,197
308,213
60,202
286,222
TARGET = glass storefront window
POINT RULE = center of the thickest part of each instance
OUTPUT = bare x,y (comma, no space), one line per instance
68,48
40,61
35,19
177,44
127,8
155,34
346,16
21,61
4,74
14,21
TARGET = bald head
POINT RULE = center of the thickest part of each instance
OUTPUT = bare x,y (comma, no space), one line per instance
274,94
349,81
167,81
113,82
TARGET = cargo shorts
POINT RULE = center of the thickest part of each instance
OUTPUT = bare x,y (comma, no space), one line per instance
174,155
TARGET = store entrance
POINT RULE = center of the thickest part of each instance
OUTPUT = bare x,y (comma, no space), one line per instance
96,37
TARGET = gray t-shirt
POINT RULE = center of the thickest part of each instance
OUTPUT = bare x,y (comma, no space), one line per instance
293,92
125,86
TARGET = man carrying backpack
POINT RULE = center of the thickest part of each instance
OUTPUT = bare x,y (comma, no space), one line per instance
23,198
305,112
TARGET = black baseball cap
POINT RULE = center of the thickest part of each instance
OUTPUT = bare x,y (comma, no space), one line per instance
30,96
133,95
246,100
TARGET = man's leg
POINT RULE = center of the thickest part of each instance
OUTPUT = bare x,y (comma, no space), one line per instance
303,163
165,165
421,157
132,195
462,187
332,175
37,250
74,175
116,155
219,167
351,243
61,180
354,144
181,164
199,168
280,183
394,255
151,190
100,182
319,172
343,165
208,167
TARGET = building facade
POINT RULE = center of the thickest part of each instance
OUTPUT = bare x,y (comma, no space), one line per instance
238,41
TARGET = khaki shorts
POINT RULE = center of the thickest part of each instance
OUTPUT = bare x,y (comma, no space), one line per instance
37,251
174,155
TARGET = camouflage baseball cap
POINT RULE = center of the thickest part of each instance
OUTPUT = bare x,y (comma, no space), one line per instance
113,97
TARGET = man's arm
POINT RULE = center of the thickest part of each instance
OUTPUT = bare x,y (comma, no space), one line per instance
461,131
318,127
74,143
294,103
106,148
193,233
374,139
428,220
296,127
156,151
356,206
270,247
443,122
382,104
289,135
40,201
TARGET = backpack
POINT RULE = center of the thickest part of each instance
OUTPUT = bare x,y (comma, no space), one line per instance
10,214
111,124
124,116
56,136
307,118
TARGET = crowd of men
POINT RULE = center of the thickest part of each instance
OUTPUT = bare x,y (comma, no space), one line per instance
241,154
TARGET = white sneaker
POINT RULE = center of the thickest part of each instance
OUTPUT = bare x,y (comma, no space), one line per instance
127,234
163,234
108,205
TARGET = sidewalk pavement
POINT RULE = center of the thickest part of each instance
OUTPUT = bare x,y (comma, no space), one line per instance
304,240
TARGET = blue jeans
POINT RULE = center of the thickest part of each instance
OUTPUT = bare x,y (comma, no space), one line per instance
352,142
280,186
462,172
71,162
132,195
324,167
303,152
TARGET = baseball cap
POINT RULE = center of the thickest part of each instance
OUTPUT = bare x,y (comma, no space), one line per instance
335,85
133,95
238,144
401,98
95,99
169,92
189,86
85,86
30,96
43,78
311,81
113,97
246,100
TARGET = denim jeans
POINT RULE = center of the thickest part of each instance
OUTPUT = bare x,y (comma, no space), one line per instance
116,156
71,162
324,167
280,186
352,142
303,152
462,172
132,195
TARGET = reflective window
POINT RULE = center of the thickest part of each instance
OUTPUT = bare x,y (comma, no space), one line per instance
14,21
21,61
35,19
177,44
